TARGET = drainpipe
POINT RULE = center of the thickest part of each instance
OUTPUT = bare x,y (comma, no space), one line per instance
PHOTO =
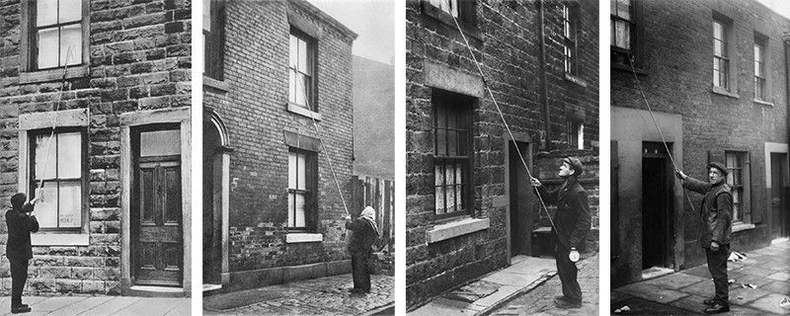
544,91
787,83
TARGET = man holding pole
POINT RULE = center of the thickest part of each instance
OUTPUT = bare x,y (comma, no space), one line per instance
570,226
716,229
20,223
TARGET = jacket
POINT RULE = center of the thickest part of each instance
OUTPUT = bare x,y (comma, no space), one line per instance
572,219
363,236
716,211
20,225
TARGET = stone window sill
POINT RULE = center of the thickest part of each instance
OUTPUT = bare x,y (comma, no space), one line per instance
576,80
446,18
303,111
220,85
758,101
721,91
59,239
53,74
456,228
741,227
295,238
627,68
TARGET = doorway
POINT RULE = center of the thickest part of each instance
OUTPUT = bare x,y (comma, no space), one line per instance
779,196
521,210
212,204
156,219
656,206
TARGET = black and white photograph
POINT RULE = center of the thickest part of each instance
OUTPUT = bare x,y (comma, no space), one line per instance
95,157
700,211
502,157
298,158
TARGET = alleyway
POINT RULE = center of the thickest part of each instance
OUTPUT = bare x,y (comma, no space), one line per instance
100,306
322,296
540,301
681,293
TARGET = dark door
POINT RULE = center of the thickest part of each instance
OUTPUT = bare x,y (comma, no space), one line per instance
156,218
521,211
656,206
779,191
212,205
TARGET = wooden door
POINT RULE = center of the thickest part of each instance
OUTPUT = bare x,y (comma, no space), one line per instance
156,220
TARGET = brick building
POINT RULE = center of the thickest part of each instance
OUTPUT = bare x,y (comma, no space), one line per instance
733,110
115,214
469,203
272,211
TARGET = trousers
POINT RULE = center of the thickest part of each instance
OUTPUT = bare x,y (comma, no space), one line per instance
567,271
717,265
18,279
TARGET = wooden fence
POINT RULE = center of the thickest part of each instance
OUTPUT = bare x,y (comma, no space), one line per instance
379,194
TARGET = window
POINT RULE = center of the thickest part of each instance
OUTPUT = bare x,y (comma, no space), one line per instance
450,11
213,11
302,185
58,33
57,163
301,70
569,38
452,153
576,135
738,179
721,61
449,6
759,69
622,26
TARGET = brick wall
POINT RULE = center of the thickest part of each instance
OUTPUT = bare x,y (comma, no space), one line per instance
254,111
676,77
508,49
139,60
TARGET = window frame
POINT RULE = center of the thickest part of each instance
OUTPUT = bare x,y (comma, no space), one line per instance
741,196
309,192
761,81
83,180
619,52
570,21
213,39
29,44
466,17
575,131
311,90
463,108
725,73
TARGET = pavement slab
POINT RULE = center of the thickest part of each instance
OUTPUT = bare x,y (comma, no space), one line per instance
83,305
675,281
770,303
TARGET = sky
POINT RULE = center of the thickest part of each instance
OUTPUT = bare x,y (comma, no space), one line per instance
781,6
373,20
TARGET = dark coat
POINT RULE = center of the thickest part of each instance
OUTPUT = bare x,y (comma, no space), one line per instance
20,225
572,219
363,236
716,211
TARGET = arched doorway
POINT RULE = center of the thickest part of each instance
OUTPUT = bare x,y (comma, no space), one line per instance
216,178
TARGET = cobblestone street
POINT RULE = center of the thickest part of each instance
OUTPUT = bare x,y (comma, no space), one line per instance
322,296
540,301
682,292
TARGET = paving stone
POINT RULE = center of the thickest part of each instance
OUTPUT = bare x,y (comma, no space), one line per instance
700,271
770,303
743,296
675,281
780,276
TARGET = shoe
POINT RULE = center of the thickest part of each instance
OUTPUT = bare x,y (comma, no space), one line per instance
560,298
566,304
20,309
709,301
717,308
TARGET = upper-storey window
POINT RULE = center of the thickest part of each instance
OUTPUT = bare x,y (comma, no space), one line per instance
759,68
452,153
721,59
623,28
57,36
569,26
450,11
213,20
301,70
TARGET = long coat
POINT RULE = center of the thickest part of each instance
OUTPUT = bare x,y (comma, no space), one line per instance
363,236
20,225
572,219
716,211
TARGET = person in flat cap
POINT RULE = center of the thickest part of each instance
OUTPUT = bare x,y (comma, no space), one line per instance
571,224
20,223
716,229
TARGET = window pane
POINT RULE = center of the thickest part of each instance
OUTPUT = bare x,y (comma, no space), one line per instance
624,9
302,56
450,181
292,86
758,53
70,204
160,143
299,210
71,45
69,153
46,12
70,11
441,142
306,83
718,30
291,170
300,172
46,208
206,15
623,34
458,188
46,154
452,143
291,215
440,201
294,49
441,117
299,89
48,48
718,48
716,76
